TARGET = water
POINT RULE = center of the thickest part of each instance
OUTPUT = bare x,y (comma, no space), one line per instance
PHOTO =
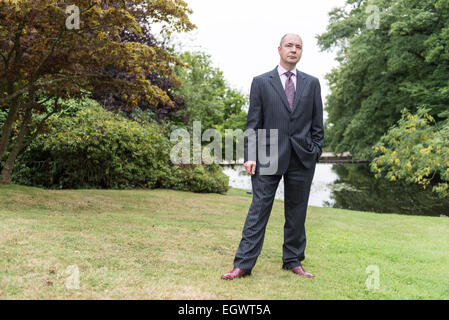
353,186
320,193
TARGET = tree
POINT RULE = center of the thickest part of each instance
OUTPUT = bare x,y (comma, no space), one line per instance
402,64
208,97
160,112
41,56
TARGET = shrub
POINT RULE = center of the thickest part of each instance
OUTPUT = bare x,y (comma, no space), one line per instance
197,178
98,149
416,150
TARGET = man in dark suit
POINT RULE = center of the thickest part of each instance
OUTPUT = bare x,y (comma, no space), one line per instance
288,101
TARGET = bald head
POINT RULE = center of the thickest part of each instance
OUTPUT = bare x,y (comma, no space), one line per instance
289,35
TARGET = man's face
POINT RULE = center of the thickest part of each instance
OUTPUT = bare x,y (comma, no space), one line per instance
290,50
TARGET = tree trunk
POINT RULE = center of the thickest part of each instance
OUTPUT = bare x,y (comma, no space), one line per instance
7,126
9,164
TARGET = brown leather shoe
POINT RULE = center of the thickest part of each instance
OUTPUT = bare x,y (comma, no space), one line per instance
235,273
299,270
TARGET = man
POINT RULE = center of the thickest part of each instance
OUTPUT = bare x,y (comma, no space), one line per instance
290,101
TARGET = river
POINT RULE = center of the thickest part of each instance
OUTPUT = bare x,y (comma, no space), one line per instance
353,186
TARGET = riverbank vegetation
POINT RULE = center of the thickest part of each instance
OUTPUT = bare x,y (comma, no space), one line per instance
393,61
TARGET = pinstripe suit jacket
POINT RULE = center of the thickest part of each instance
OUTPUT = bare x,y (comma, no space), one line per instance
299,130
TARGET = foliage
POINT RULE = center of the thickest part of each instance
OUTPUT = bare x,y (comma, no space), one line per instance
196,178
46,52
401,64
416,150
160,112
98,149
41,55
207,96
3,114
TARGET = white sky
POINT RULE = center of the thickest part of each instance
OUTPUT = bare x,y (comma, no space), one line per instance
242,36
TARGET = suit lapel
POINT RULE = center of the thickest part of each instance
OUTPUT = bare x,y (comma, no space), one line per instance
300,83
275,81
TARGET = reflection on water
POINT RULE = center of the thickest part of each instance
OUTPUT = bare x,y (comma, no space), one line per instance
319,194
357,189
353,186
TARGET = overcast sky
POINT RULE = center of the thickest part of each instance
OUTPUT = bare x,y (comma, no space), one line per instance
242,36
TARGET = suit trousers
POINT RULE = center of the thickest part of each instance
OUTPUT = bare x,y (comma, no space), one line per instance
297,183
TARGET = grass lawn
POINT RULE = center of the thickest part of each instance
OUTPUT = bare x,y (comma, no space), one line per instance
165,244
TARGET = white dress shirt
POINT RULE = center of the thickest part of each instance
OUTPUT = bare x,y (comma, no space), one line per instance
284,78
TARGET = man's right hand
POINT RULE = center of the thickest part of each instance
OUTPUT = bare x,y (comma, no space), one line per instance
250,167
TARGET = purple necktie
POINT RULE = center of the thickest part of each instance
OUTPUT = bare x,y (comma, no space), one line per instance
289,89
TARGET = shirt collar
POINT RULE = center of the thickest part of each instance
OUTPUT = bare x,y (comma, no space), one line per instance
281,70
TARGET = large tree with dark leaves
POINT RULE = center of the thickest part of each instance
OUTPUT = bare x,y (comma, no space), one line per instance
42,59
167,81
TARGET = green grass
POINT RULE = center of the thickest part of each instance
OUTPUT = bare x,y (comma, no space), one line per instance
164,244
